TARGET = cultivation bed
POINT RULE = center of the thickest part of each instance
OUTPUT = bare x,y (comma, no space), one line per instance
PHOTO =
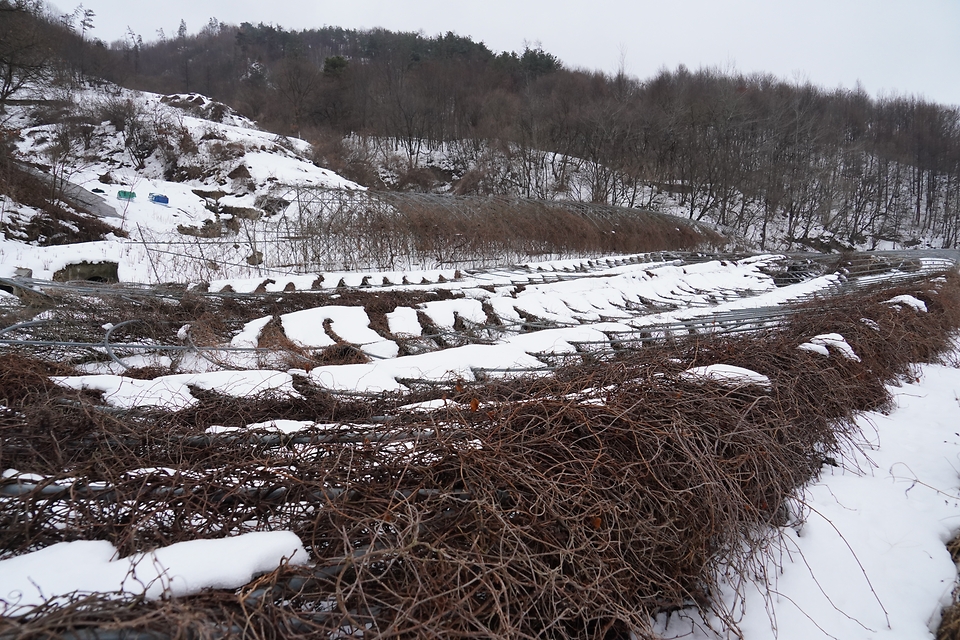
529,482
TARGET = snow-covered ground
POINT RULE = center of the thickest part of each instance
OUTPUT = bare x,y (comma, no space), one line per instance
201,174
869,562
91,566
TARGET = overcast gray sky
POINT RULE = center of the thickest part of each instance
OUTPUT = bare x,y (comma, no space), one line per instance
890,46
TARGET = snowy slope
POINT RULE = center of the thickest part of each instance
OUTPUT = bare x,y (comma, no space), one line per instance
209,172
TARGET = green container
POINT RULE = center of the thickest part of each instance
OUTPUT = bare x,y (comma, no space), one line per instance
126,195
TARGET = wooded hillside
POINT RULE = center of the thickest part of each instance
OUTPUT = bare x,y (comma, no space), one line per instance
787,164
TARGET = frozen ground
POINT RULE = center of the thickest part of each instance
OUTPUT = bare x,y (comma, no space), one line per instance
868,562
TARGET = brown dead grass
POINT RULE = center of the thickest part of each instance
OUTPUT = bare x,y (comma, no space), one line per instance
386,230
949,628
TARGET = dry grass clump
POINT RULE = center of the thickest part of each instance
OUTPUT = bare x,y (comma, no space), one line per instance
388,230
949,628
571,506
282,348
491,226
41,422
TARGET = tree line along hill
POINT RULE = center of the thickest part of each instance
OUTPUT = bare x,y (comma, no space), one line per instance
784,164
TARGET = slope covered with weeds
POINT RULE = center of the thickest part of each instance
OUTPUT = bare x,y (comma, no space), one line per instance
574,505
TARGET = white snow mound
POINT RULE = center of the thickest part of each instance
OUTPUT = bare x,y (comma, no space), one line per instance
908,301
819,344
92,566
728,374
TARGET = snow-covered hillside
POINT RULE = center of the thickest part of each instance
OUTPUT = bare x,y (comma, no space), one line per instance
160,168
484,167
179,188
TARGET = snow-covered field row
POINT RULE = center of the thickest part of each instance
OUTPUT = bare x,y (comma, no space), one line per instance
589,309
492,318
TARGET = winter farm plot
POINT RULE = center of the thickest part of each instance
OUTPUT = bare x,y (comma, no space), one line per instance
584,449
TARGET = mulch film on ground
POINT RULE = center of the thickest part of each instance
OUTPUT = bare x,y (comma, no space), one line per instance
576,505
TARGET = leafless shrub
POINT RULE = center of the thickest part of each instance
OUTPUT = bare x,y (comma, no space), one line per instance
400,230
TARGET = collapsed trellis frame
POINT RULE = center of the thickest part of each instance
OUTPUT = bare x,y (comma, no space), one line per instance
575,505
